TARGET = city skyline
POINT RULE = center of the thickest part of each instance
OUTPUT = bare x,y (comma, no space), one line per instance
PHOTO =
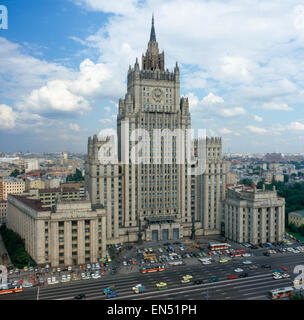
64,65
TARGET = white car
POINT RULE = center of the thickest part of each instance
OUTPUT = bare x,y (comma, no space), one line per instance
277,277
245,255
238,270
124,263
160,250
69,268
247,262
96,276
150,250
27,285
285,275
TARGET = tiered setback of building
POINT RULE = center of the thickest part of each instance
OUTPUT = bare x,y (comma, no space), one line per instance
254,215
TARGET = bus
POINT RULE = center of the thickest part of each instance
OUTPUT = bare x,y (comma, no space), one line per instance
154,268
10,289
149,256
280,293
218,246
237,253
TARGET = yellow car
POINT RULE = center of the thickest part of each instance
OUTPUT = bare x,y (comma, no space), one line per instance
161,286
297,282
25,269
223,260
187,277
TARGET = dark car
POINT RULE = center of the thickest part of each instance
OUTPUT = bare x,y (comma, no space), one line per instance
267,254
113,271
197,281
266,266
243,275
79,297
254,247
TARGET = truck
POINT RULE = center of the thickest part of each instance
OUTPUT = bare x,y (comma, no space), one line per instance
139,288
110,292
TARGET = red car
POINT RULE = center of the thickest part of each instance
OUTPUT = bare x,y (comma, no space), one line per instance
102,272
209,252
233,276
283,268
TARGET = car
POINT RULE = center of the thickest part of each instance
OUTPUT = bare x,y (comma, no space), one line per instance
198,281
161,285
58,269
69,268
223,260
187,277
150,250
285,275
88,266
247,262
265,266
277,276
17,270
31,269
25,268
160,250
124,263
283,268
253,267
232,276
96,276
27,285
11,271
80,297
243,275
214,279
267,254
245,255
238,270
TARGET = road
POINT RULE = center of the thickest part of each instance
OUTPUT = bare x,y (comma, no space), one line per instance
254,287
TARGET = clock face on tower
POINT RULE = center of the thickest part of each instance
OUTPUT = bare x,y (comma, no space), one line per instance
157,94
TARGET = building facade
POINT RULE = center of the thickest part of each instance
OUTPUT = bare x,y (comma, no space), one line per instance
72,232
254,215
3,211
154,198
11,185
296,217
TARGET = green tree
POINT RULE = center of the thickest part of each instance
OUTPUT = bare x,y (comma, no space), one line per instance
293,228
246,182
15,173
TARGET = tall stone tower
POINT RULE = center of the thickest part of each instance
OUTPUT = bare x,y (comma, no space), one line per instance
153,198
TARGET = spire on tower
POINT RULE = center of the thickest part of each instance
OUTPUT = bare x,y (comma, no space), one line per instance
152,34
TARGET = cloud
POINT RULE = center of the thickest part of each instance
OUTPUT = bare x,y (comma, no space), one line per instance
258,118
225,131
212,99
104,121
74,127
256,129
276,106
297,126
7,117
55,97
232,112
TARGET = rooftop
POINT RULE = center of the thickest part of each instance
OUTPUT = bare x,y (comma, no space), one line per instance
300,212
32,203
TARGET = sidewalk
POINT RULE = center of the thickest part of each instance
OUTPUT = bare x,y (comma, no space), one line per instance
3,252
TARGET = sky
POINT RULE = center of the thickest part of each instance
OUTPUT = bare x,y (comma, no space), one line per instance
63,68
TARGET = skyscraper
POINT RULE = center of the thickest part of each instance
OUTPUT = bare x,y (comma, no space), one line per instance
148,192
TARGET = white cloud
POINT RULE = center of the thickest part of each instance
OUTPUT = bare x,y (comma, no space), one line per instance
225,131
297,126
212,99
276,106
7,117
107,109
258,118
104,121
55,97
232,112
256,129
74,127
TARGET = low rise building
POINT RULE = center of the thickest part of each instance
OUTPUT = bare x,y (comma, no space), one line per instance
296,217
71,232
254,215
11,185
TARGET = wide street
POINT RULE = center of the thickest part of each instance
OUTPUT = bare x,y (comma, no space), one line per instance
254,287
